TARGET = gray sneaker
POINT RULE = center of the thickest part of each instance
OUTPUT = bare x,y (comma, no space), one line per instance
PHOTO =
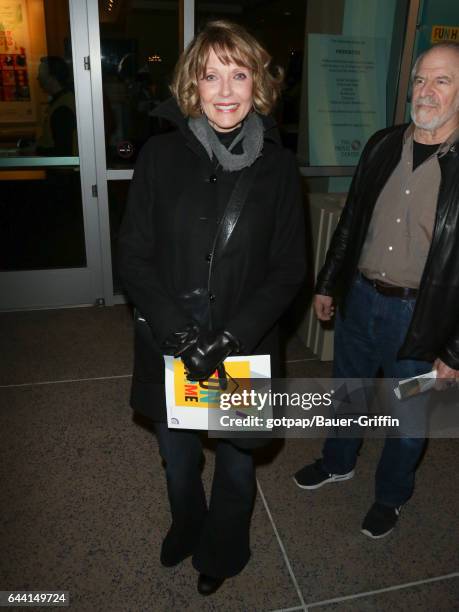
314,476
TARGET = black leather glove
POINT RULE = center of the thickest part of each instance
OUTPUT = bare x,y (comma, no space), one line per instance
180,342
207,355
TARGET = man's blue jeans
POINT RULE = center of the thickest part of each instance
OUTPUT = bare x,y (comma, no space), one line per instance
367,339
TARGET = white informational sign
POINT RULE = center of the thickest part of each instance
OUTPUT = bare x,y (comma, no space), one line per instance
189,403
346,96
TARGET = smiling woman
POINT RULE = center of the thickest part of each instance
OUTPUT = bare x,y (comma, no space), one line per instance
225,91
223,167
230,45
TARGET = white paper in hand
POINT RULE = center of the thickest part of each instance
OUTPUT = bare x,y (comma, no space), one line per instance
188,403
417,384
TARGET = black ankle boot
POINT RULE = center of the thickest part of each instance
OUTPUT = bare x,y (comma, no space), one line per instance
209,584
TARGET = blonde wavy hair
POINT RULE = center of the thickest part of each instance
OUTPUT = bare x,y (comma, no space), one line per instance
232,44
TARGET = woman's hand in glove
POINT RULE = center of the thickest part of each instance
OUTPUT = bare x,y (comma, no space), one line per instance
211,349
181,341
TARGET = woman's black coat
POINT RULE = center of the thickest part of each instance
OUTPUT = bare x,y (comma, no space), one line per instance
175,200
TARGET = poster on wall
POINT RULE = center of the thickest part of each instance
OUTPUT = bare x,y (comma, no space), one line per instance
347,96
438,22
15,97
444,33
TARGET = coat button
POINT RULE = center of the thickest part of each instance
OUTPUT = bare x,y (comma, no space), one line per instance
209,257
212,178
211,297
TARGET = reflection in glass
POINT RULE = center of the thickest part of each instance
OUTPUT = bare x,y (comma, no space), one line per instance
139,48
58,135
37,101
41,214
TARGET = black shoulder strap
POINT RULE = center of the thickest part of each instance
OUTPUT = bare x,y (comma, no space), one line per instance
233,209
230,217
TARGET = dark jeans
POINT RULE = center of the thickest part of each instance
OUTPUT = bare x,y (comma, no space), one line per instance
368,338
218,535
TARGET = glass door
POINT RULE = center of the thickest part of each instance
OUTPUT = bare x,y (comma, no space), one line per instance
134,47
49,221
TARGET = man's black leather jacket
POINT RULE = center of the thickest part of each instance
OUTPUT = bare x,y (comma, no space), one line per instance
434,328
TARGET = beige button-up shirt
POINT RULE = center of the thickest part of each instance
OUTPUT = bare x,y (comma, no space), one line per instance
401,227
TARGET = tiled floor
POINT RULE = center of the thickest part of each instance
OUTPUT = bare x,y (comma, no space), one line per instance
83,501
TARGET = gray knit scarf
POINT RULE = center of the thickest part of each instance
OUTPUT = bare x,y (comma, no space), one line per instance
251,137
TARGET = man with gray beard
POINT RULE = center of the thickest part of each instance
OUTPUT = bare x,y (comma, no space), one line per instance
392,270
